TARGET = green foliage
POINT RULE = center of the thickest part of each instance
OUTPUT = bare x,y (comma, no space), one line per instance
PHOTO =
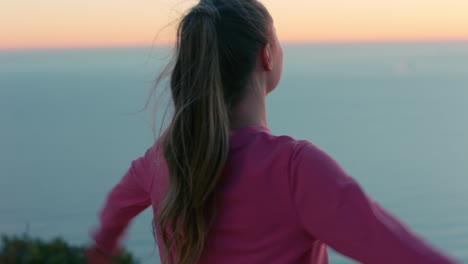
26,250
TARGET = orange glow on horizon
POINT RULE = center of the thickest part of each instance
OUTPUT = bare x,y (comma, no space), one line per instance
112,24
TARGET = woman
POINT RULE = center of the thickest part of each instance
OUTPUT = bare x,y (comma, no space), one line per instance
223,188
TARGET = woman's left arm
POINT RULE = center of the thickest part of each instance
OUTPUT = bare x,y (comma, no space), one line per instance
126,200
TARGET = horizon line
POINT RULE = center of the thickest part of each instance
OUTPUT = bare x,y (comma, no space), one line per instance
284,43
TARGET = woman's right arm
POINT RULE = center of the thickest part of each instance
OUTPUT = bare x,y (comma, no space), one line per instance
334,208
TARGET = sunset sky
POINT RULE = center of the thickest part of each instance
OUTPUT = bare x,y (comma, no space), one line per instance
90,23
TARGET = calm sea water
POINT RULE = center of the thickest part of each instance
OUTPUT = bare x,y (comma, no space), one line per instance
394,115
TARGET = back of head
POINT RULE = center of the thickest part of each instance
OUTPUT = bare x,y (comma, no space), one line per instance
223,37
216,51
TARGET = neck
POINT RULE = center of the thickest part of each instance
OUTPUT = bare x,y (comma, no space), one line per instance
251,110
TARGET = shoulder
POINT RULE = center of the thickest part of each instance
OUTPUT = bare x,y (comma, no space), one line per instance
311,163
309,151
277,147
299,149
285,141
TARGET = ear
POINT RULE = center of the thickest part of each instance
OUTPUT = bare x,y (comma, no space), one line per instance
266,57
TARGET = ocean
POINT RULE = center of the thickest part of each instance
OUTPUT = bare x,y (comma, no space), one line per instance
394,115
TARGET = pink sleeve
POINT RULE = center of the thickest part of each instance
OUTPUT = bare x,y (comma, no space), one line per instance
127,199
333,208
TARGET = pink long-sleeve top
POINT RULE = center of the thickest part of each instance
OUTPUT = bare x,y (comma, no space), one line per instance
280,201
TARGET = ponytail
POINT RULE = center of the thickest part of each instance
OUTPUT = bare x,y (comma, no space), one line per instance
216,49
197,143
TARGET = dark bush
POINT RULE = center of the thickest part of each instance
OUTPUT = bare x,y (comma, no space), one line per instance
26,250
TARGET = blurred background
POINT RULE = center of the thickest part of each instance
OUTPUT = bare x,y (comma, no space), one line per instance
380,85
